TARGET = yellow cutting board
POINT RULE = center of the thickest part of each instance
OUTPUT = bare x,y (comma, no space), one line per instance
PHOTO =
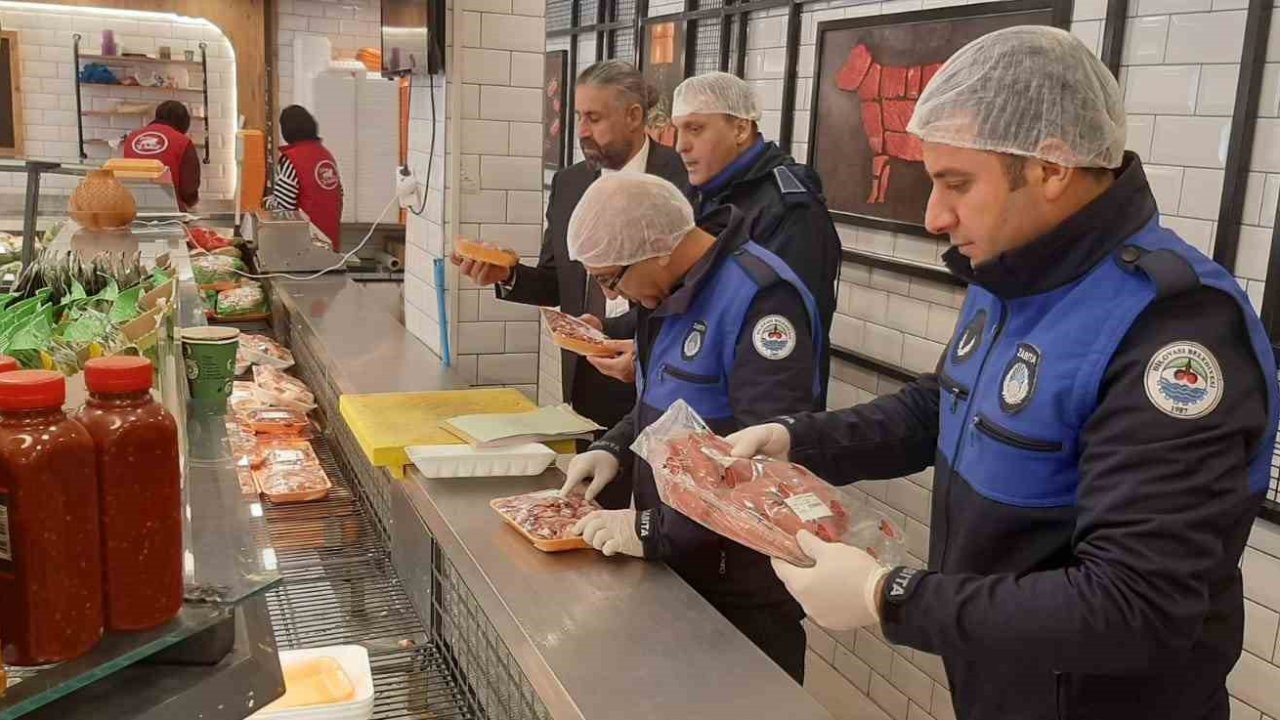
386,423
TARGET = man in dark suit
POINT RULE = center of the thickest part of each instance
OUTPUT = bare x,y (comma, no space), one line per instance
611,100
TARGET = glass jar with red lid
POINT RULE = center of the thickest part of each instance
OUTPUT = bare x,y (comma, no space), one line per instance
50,571
140,493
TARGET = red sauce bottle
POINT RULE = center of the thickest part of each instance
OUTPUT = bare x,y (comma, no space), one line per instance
7,363
50,571
140,496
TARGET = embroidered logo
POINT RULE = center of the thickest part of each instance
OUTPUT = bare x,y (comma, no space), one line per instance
326,175
774,337
1184,380
693,341
1020,375
150,143
970,338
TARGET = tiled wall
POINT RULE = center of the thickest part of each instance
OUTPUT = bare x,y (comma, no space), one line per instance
487,185
349,24
45,41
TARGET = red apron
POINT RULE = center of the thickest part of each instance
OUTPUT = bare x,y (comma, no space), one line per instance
158,141
319,187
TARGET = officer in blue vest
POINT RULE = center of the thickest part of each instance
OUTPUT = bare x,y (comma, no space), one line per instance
728,327
1100,426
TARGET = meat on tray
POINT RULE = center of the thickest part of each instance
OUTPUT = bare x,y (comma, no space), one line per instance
575,335
545,515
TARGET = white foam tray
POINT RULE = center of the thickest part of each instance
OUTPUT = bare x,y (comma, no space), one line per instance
354,660
465,461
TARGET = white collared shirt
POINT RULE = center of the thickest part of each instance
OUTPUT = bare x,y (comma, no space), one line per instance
637,163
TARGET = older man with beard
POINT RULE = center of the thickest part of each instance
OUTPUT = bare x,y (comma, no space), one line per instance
611,99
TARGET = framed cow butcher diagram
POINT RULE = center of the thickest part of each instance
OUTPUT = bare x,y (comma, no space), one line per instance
869,73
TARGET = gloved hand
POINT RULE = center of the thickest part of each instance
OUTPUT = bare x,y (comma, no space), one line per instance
840,592
598,465
771,439
611,532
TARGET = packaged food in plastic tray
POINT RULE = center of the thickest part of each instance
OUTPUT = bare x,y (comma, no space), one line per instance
281,484
280,390
244,398
545,519
759,502
286,453
277,421
216,272
248,299
248,485
262,350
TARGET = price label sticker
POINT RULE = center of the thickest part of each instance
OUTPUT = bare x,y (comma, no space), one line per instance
808,507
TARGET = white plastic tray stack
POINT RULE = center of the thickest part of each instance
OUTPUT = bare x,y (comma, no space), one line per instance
354,660
464,461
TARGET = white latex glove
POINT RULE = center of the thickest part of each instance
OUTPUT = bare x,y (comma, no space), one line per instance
611,532
771,440
839,592
598,465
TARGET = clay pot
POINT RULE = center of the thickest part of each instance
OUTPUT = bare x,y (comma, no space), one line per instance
101,202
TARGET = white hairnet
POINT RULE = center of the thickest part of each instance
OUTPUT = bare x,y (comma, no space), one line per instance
1034,91
626,217
715,92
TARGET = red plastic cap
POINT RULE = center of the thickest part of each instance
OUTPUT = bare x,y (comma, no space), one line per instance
32,390
7,364
120,374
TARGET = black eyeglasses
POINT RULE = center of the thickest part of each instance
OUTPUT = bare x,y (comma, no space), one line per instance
610,283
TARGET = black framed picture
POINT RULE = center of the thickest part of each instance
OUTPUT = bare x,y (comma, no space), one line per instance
553,104
869,73
662,64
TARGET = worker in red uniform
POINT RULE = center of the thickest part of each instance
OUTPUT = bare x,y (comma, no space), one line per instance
165,139
306,176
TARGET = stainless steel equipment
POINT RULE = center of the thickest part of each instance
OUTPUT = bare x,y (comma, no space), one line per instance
286,241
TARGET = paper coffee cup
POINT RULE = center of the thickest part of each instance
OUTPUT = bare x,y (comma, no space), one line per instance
209,359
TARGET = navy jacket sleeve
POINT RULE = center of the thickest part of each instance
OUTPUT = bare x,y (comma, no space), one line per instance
1158,500
536,285
891,436
622,327
760,387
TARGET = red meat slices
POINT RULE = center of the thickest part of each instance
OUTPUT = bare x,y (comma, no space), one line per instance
893,81
870,87
873,126
903,146
897,113
913,81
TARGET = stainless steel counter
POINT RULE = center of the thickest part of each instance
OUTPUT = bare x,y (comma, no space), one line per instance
594,637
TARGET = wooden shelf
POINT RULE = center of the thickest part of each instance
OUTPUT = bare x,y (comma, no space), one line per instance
127,60
142,87
118,113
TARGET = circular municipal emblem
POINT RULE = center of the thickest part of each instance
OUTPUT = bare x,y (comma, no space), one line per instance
774,337
970,338
1184,380
326,175
150,143
693,341
1019,382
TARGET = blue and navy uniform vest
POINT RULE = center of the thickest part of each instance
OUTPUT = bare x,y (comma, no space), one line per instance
1022,376
694,351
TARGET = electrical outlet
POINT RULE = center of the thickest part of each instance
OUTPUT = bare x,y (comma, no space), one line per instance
408,190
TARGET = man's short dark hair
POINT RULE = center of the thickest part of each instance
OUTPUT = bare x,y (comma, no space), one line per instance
297,124
174,114
1015,171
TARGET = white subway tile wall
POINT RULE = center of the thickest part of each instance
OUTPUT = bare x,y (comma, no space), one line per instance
49,118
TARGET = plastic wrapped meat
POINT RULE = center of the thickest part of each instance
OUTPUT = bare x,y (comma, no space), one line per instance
279,390
276,421
760,503
294,484
262,350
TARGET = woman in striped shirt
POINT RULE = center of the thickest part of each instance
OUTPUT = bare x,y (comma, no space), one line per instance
306,176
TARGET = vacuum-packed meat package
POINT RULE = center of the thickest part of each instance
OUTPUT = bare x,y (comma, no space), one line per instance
758,502
262,350
294,484
277,421
575,335
545,518
279,390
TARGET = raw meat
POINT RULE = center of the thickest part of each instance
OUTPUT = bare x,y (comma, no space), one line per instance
760,503
279,390
575,335
262,350
276,421
545,515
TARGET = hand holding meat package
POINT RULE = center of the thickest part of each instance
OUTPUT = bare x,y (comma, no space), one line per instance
759,502
545,518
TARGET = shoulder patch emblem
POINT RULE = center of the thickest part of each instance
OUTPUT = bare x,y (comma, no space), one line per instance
970,338
774,337
1020,375
1184,380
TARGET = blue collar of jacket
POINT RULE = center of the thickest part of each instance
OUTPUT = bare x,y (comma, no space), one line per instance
740,165
727,223
1073,248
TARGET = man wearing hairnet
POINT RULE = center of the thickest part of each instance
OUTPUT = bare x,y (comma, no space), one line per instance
1100,425
730,163
729,328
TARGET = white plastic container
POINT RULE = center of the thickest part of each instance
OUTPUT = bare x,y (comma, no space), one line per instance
465,461
354,660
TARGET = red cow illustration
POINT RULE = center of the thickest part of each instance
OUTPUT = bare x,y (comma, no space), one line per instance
889,97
